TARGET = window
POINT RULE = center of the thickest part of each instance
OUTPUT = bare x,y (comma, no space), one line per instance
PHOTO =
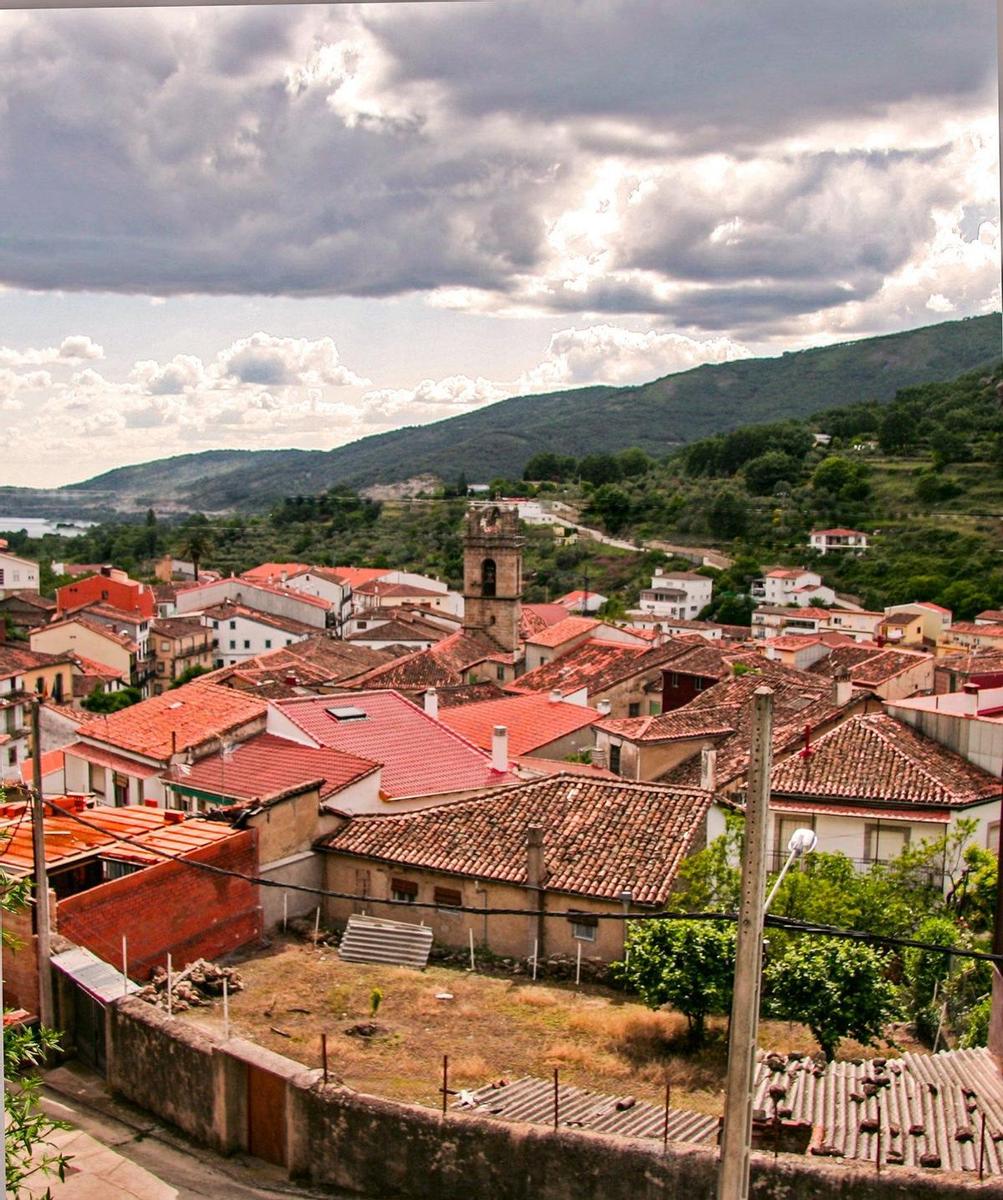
699,684
500,671
884,842
993,837
654,708
95,778
268,643
489,577
165,647
583,926
673,679
614,757
403,889
247,644
447,897
12,757
233,624
160,667
362,624
233,644
634,709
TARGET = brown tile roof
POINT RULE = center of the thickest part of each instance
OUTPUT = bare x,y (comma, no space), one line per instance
868,667
878,759
800,700
599,837
15,659
468,693
584,666
680,723
993,615
32,599
969,627
442,665
174,627
982,662
94,627
399,630
227,611
179,719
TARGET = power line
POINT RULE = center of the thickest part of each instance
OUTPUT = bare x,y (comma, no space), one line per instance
787,924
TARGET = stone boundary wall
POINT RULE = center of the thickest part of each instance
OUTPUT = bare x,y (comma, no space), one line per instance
370,1147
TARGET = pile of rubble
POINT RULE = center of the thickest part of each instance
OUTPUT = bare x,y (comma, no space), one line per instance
197,986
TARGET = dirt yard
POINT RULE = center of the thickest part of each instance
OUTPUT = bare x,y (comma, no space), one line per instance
491,1028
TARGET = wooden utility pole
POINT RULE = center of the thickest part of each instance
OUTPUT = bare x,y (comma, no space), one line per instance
736,1136
45,1008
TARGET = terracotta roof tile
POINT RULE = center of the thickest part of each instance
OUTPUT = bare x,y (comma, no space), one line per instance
599,837
868,667
563,631
537,617
420,756
680,723
876,758
267,767
179,719
532,721
442,665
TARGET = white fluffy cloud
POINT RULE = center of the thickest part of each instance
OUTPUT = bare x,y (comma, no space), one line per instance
612,354
75,348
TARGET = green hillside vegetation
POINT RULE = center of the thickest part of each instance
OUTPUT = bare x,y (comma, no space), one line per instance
500,438
924,474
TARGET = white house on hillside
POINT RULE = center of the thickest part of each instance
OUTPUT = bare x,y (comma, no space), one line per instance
16,574
792,585
676,594
824,540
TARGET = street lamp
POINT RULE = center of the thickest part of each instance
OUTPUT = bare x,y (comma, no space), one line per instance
802,842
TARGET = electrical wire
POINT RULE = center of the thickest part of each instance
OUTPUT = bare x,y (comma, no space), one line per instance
786,924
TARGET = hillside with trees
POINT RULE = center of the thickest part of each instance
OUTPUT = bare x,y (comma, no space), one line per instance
499,439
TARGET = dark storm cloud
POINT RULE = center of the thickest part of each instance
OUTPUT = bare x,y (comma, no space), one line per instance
728,69
173,153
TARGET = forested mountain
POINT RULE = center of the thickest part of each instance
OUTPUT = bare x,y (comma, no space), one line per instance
499,439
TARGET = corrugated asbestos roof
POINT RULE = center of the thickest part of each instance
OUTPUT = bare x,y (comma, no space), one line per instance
532,1100
930,1107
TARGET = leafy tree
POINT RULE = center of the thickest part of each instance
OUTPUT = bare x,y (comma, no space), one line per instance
611,505
763,474
598,469
688,964
197,541
926,971
728,514
29,1156
100,701
838,989
710,880
548,465
634,462
188,674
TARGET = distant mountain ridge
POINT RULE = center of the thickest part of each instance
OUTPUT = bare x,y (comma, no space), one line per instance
497,440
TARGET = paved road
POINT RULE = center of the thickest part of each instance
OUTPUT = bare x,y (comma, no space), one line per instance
171,1168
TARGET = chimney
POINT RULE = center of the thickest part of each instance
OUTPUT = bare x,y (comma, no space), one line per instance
971,694
499,749
599,757
708,768
604,708
534,886
842,687
556,697
432,703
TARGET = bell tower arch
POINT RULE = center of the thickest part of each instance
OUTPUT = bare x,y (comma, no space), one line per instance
492,574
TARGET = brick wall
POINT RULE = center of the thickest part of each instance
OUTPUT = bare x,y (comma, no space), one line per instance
170,908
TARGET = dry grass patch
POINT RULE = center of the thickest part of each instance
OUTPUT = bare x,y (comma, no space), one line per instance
492,1028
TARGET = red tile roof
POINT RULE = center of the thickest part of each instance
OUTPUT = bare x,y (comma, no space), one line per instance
228,611
839,532
16,659
382,588
442,665
531,765
267,768
535,617
359,576
580,667
180,719
564,631
969,627
869,666
532,721
420,755
131,833
105,631
102,757
876,758
52,761
272,572
599,837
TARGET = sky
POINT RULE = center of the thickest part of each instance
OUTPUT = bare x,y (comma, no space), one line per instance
297,226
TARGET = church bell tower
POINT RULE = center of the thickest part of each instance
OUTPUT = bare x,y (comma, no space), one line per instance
492,574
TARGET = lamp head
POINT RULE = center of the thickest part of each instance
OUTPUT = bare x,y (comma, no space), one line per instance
803,841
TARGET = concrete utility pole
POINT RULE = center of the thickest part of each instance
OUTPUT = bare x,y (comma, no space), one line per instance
46,1014
733,1173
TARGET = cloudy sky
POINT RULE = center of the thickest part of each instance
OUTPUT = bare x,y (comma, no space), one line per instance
301,225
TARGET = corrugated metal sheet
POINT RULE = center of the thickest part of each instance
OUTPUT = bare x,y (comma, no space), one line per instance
372,939
926,1109
532,1100
94,975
